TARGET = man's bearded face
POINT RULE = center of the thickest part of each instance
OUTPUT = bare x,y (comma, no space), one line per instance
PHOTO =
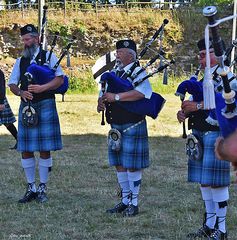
30,45
29,51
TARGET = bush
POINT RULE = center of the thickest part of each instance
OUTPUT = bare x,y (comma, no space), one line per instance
82,82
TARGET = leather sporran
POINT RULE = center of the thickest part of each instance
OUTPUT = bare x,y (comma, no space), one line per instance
114,139
29,116
194,148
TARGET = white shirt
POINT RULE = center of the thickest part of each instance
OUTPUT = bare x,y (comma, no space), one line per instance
145,86
15,74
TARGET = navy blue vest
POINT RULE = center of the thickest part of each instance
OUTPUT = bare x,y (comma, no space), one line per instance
197,120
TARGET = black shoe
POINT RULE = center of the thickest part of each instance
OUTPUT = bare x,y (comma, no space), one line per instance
14,147
41,193
218,235
131,211
29,195
120,207
204,231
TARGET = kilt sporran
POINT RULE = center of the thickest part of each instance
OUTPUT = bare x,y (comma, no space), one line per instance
194,148
114,139
29,116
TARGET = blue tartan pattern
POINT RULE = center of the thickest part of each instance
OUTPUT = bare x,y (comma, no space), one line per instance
210,170
46,136
134,152
7,116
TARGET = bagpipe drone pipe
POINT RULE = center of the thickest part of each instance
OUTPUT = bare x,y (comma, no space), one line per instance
226,111
150,107
42,73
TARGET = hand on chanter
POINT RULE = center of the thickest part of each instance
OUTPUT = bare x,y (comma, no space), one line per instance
189,106
108,97
25,95
181,116
35,88
101,105
2,107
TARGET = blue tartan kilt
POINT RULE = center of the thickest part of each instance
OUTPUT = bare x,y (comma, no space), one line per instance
46,136
210,170
7,116
134,152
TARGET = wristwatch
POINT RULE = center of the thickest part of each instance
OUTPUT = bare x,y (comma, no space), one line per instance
199,105
116,97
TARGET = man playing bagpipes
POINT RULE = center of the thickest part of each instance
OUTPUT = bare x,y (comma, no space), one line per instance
204,168
6,115
38,126
130,153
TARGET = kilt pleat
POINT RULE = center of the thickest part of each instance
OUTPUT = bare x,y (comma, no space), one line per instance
46,136
134,152
210,170
7,116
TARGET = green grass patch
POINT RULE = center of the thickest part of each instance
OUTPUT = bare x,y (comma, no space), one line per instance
82,186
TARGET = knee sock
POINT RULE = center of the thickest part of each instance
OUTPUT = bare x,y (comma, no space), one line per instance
209,206
12,129
44,169
220,197
28,165
134,179
124,185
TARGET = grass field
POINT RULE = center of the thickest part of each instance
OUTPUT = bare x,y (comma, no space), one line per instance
82,186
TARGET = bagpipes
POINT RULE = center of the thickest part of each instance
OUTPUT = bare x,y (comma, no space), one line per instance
226,111
150,107
193,87
41,73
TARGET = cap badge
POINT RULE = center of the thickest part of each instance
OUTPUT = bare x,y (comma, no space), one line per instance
29,28
126,44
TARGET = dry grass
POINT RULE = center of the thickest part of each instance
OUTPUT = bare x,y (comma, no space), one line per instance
82,185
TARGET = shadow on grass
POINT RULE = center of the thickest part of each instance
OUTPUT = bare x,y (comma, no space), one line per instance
82,186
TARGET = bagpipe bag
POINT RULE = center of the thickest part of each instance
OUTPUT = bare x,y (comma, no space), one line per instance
150,107
43,74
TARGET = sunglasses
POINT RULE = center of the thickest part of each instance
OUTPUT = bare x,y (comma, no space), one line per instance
203,54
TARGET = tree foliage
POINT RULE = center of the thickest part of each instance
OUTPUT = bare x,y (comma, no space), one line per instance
214,2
